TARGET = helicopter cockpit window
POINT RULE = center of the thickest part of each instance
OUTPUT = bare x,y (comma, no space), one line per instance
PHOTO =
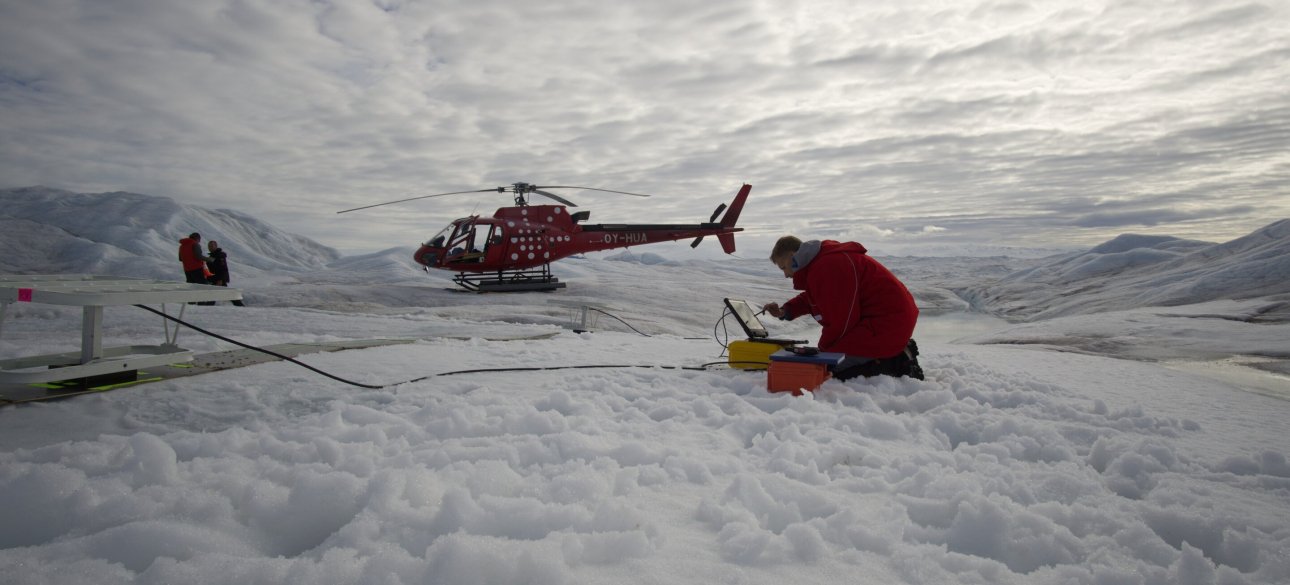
440,238
462,245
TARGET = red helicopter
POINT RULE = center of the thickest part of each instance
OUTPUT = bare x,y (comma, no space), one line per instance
513,250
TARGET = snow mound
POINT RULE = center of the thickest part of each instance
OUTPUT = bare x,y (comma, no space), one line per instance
128,234
31,247
647,258
391,264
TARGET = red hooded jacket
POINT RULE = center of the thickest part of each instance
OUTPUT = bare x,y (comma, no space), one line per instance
864,309
190,254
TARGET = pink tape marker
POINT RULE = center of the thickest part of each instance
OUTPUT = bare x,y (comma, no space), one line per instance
24,295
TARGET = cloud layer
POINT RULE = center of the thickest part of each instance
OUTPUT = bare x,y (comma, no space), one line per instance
1023,123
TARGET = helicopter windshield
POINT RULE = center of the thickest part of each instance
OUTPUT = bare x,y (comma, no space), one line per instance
440,238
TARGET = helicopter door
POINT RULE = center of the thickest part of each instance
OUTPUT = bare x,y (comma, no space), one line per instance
493,248
461,246
465,247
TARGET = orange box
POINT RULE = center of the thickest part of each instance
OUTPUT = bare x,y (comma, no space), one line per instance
795,377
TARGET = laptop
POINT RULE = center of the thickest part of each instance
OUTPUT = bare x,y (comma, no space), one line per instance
747,319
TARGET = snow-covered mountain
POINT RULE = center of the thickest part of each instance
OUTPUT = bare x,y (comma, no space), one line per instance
1133,271
128,234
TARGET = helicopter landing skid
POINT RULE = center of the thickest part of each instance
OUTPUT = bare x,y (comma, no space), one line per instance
509,280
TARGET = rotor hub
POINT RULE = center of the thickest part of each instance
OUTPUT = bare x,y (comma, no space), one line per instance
521,191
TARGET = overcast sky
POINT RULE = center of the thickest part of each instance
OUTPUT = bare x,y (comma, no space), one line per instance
896,123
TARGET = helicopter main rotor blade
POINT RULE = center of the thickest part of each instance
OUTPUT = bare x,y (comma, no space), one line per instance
494,190
591,189
556,197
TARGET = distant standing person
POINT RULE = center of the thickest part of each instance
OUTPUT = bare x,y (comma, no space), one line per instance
217,262
190,255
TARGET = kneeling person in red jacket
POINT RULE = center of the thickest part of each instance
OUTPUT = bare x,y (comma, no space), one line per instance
866,312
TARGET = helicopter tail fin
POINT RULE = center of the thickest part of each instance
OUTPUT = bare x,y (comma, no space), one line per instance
727,242
732,214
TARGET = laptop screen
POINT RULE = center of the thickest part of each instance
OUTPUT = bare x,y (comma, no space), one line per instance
747,318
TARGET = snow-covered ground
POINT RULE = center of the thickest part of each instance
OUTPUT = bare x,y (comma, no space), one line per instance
1096,448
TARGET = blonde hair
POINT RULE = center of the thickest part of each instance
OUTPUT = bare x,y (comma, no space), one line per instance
786,246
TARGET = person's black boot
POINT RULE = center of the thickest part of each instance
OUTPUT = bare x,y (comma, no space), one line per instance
915,370
912,369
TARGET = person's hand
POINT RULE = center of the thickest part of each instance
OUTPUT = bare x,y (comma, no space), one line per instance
774,310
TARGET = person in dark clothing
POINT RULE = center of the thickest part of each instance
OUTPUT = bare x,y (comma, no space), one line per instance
865,311
190,255
217,262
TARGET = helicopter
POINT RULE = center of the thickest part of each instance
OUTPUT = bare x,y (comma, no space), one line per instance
513,250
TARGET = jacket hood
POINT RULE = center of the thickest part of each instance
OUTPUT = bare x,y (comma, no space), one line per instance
809,250
805,253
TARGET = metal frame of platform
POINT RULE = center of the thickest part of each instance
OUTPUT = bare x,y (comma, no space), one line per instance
583,317
92,293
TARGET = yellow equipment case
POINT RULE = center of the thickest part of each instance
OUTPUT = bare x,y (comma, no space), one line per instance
751,355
